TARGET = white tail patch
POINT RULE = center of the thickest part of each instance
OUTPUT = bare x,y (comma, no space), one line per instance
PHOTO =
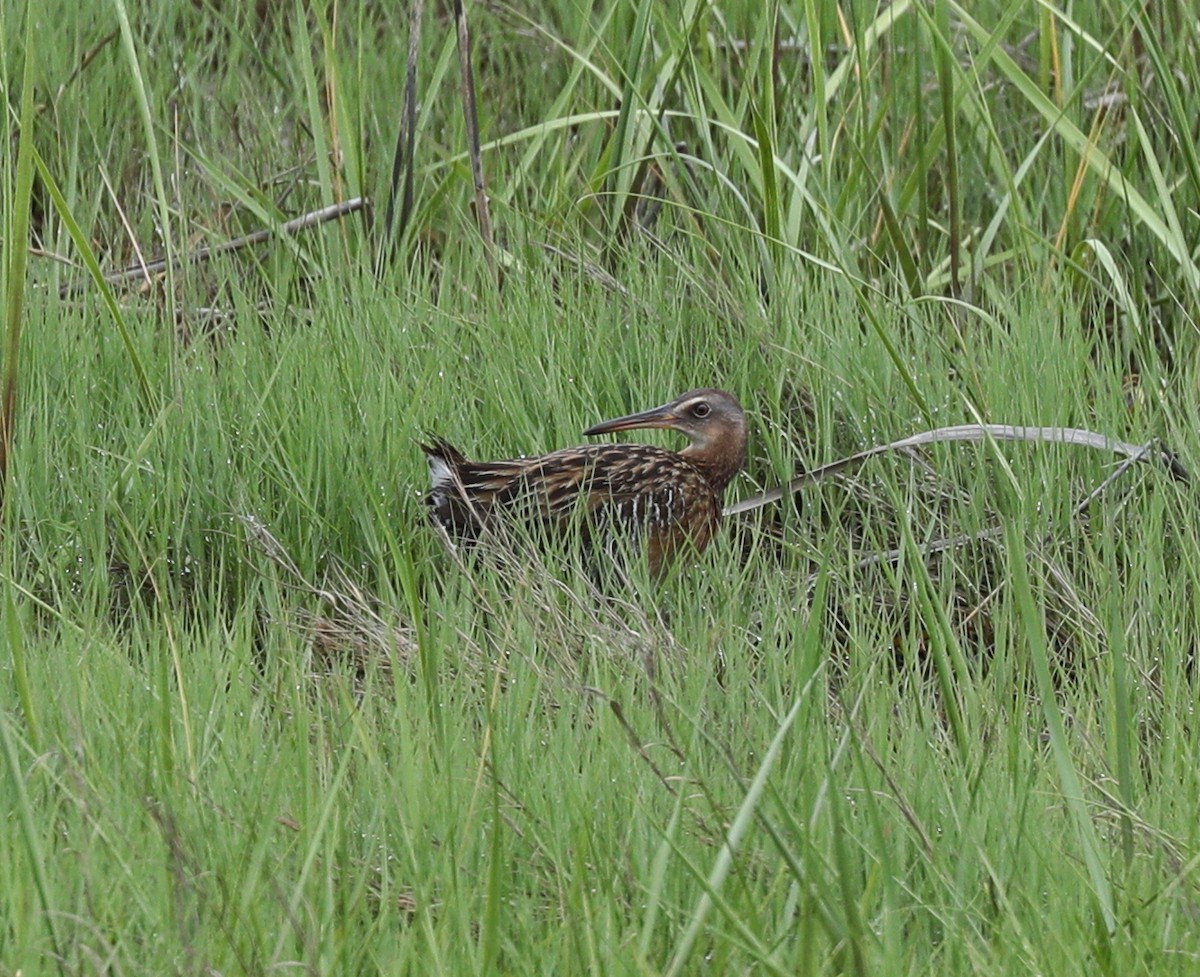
440,473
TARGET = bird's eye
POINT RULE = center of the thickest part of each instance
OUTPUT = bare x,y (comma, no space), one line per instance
702,409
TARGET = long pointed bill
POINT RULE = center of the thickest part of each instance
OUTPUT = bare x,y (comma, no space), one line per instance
663,416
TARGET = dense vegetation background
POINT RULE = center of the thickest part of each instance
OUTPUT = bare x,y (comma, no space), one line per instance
936,716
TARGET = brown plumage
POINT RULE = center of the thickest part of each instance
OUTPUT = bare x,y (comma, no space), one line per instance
668,499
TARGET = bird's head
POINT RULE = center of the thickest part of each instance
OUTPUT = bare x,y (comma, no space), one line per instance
711,419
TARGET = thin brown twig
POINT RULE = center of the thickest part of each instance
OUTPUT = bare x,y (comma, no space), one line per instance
898,797
133,241
303,222
62,259
634,740
1082,507
88,57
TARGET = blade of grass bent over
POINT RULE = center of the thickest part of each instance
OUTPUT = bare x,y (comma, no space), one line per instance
964,432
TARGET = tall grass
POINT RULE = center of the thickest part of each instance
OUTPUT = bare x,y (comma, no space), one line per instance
257,718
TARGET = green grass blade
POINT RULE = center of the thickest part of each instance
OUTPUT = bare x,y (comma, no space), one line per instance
88,256
17,238
1097,161
1069,780
28,820
724,860
20,670
317,123
163,202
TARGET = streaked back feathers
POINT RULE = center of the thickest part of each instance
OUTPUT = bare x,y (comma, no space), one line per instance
669,500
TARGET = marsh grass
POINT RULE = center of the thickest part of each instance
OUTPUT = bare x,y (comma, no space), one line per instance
256,715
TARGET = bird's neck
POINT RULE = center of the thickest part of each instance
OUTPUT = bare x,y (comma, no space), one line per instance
719,463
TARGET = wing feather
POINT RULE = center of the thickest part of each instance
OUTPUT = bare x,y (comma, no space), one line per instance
633,491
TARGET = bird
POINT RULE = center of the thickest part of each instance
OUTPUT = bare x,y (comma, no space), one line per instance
666,501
